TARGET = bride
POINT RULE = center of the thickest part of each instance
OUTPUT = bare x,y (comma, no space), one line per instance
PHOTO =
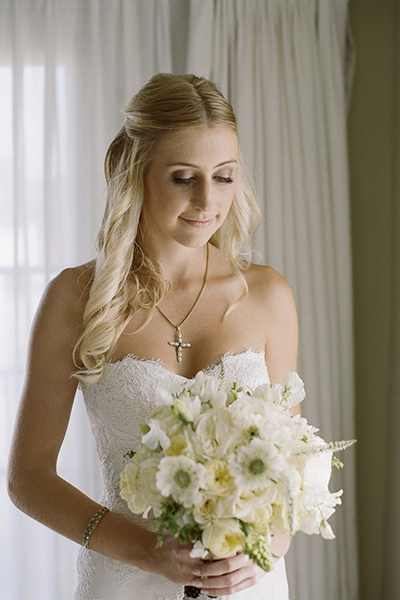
168,295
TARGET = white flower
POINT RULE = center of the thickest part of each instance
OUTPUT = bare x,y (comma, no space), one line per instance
156,435
198,550
316,474
181,478
256,465
147,482
231,462
289,392
315,518
218,479
207,387
165,395
172,424
244,504
129,490
186,407
180,444
294,391
223,537
184,517
215,434
287,509
206,511
271,392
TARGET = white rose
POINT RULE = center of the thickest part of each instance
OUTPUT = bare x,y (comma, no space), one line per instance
180,444
215,434
130,489
147,482
218,478
246,503
206,510
223,537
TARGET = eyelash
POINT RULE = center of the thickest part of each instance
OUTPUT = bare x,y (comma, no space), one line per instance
185,182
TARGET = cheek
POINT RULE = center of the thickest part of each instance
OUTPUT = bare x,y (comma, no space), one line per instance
229,200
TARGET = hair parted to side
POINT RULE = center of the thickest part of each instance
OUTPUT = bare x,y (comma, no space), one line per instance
167,103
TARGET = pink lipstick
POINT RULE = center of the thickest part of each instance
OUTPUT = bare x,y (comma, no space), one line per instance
199,224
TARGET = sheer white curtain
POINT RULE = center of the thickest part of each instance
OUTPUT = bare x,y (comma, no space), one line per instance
286,67
65,68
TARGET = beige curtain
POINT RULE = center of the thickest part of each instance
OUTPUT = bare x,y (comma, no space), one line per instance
391,541
287,69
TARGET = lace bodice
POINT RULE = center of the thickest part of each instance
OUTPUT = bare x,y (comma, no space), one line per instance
124,396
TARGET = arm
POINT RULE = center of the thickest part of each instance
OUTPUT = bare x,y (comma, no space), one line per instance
46,403
281,330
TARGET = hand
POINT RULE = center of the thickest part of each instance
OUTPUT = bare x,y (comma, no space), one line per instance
227,576
174,562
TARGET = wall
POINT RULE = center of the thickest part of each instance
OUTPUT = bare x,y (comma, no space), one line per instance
371,147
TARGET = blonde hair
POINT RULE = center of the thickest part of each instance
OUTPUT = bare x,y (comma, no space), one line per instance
167,103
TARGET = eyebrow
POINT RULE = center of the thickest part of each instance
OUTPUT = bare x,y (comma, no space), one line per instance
184,164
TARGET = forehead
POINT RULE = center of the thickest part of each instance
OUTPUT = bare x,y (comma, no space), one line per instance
200,144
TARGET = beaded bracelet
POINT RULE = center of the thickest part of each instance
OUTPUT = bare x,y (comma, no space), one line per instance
93,524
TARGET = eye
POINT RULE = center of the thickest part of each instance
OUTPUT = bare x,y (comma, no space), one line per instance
182,180
221,179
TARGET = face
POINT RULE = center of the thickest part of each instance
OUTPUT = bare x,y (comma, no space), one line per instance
189,187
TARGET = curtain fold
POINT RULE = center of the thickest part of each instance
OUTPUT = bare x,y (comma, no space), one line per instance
66,67
286,67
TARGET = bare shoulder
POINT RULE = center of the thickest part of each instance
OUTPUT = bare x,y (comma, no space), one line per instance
70,288
58,320
268,287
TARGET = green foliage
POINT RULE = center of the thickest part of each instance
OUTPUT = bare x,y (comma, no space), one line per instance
337,463
167,522
257,547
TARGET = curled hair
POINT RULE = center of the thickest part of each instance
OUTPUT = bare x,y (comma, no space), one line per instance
167,103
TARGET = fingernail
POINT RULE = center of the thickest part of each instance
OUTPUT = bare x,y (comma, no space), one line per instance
196,571
198,583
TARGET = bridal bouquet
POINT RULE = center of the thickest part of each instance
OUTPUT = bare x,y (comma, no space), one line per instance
220,463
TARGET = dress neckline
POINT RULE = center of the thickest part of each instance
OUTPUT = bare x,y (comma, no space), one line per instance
157,361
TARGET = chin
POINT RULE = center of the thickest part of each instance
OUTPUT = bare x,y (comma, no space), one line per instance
196,241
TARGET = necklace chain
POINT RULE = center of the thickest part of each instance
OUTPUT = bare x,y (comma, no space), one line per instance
179,344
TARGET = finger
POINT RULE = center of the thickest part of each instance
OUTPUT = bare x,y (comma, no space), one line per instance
228,590
222,566
227,580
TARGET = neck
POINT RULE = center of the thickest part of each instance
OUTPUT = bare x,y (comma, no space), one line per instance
181,265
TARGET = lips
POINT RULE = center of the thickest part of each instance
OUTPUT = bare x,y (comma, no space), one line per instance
198,223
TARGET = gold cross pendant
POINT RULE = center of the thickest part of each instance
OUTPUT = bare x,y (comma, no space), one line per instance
179,345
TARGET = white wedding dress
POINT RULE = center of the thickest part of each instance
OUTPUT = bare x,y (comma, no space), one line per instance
123,397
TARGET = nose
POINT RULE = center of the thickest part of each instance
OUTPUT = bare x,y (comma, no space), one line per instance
202,196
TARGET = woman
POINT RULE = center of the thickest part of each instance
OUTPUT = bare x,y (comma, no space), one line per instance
167,296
